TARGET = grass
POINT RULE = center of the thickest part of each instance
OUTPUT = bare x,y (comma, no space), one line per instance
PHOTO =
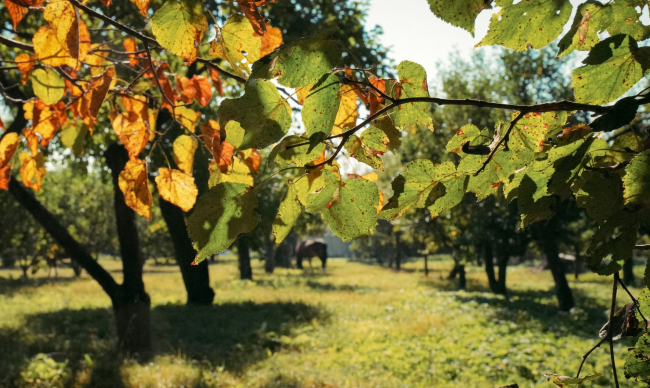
357,325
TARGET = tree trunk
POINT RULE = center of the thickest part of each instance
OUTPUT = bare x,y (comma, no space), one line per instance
245,270
269,260
549,239
131,304
462,281
426,265
503,256
488,256
628,272
578,261
195,277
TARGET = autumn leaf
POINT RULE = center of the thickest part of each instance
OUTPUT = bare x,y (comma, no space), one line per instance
179,27
48,85
238,44
211,137
95,59
51,53
96,94
166,87
186,88
134,185
32,140
25,64
16,12
183,152
5,177
249,8
346,117
143,6
32,170
203,89
139,106
131,46
46,120
133,133
271,40
8,146
107,3
61,16
177,187
216,81
186,117
252,158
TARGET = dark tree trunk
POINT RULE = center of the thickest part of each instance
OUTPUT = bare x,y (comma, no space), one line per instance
131,304
628,272
462,281
578,261
269,260
488,256
426,265
245,270
549,240
503,256
195,277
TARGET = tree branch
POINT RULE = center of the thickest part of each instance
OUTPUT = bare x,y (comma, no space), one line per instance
213,65
15,44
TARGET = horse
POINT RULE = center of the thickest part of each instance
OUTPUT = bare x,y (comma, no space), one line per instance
308,249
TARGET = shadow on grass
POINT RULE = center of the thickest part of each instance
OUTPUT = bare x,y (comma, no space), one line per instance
11,286
230,335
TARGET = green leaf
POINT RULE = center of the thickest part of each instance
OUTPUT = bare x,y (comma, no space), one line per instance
48,85
179,26
637,363
301,63
599,194
571,382
295,150
611,69
460,13
637,180
237,173
223,213
288,213
394,136
318,199
315,180
622,113
532,130
413,83
353,212
234,133
583,34
238,44
375,140
322,105
413,188
622,17
467,133
530,23
263,114
73,135
620,245
533,210
362,153
448,194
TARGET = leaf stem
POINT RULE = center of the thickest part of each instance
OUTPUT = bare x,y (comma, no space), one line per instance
584,358
504,138
610,330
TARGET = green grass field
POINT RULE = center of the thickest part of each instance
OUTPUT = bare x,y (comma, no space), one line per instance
357,325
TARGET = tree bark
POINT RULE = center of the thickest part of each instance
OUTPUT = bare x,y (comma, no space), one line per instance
269,260
488,256
503,257
462,281
549,239
578,261
132,304
195,277
628,272
426,265
245,270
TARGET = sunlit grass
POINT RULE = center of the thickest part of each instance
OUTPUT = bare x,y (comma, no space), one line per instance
356,325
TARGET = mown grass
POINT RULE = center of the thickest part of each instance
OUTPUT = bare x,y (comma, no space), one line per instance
355,326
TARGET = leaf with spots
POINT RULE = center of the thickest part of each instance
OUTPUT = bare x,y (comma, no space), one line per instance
261,111
288,214
179,26
468,133
322,105
295,150
177,187
62,17
238,44
601,196
362,153
529,23
583,35
611,69
460,13
237,172
414,188
532,130
300,63
412,83
220,216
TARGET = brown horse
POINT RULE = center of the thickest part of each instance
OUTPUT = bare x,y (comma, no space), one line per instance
308,249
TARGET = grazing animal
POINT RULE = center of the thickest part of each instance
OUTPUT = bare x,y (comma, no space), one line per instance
308,249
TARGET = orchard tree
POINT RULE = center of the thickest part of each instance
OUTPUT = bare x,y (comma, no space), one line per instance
532,156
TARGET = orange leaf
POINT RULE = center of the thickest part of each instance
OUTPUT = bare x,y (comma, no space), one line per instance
32,140
380,84
107,3
381,201
25,64
375,103
203,89
131,46
166,86
95,59
16,12
32,170
5,177
134,134
2,125
184,148
134,185
138,105
271,40
177,187
143,6
96,94
253,159
186,87
61,16
216,81
211,137
8,146
249,8
226,151
45,120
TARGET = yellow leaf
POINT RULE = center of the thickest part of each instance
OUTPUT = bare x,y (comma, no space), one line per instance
186,117
133,133
139,106
371,177
95,59
179,26
32,140
238,173
8,146
32,170
346,118
301,93
177,187
50,52
271,40
131,46
45,120
134,185
184,148
99,86
61,16
238,44
381,201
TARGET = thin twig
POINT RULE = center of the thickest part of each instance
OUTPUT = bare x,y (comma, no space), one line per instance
610,329
213,65
155,76
636,303
644,247
584,358
503,138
